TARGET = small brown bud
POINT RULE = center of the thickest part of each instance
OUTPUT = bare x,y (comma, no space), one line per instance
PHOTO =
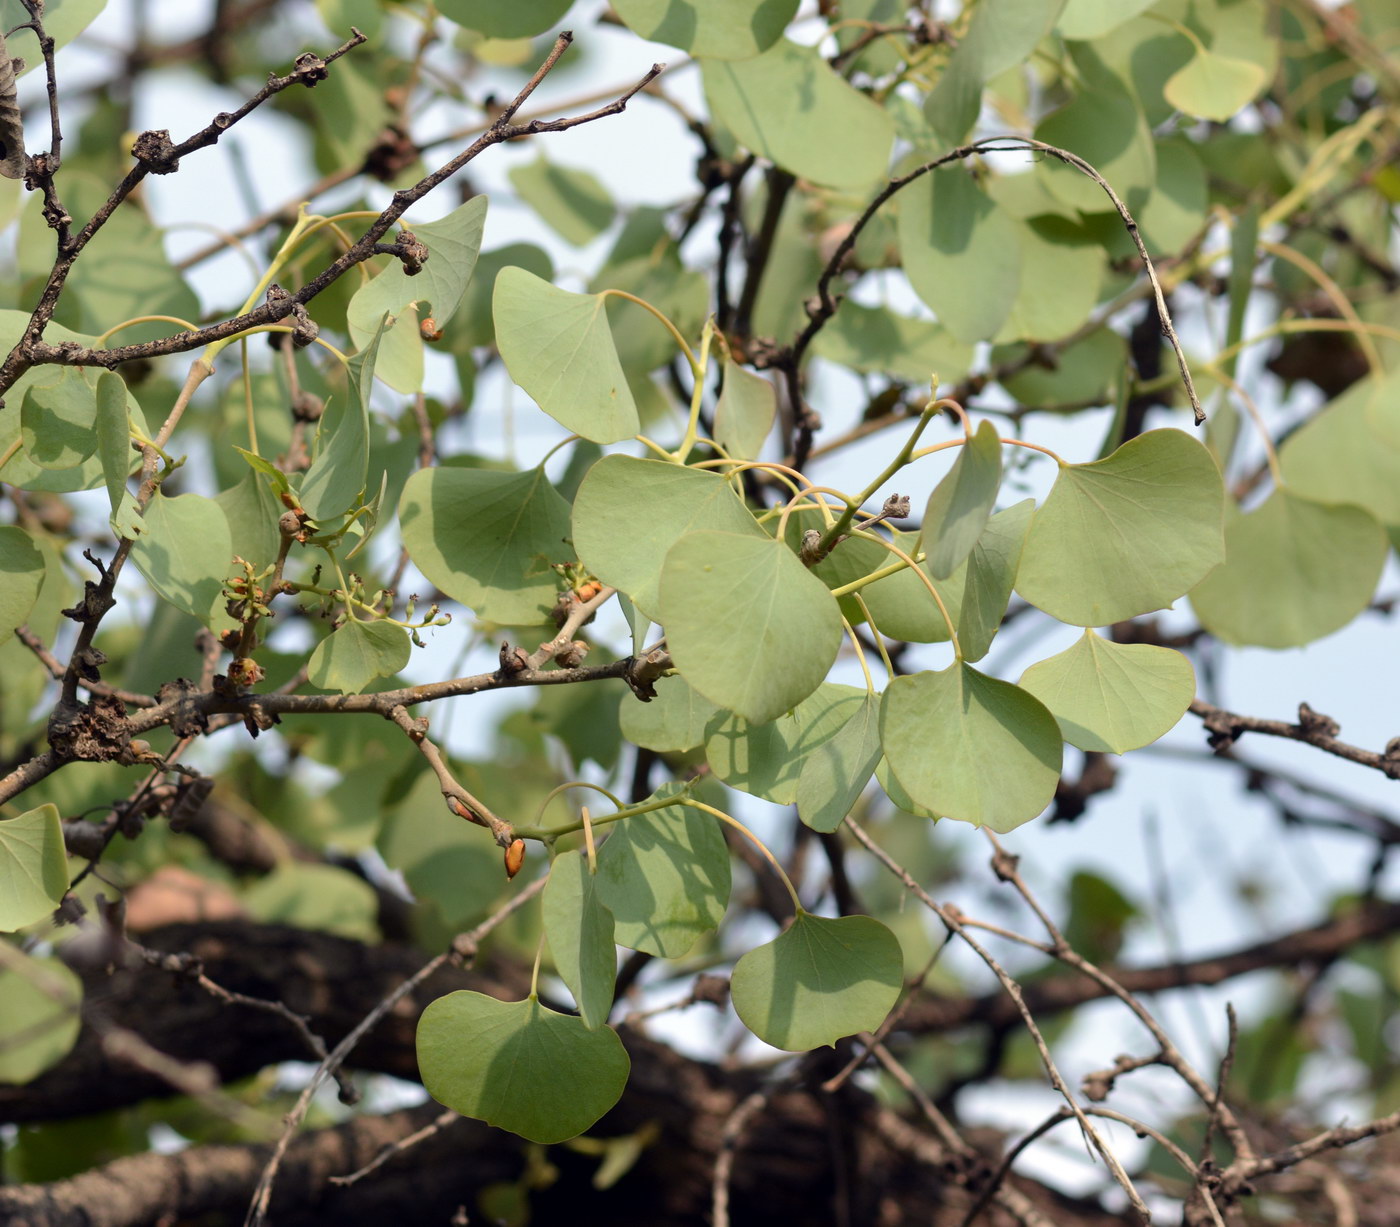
515,857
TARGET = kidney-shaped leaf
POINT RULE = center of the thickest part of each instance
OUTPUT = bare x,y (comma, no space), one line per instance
580,933
1113,696
352,656
961,503
628,513
185,551
710,29
1295,570
559,347
819,981
971,747
790,106
747,624
487,538
519,1066
1127,534
21,577
664,875
33,867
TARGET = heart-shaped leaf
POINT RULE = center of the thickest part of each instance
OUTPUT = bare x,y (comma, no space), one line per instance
1127,534
714,29
185,551
837,771
628,513
356,653
664,875
790,106
819,981
960,505
1113,696
1214,86
21,577
675,720
43,1015
971,747
33,867
506,1062
580,933
744,412
1295,570
338,474
765,760
747,624
559,347
487,538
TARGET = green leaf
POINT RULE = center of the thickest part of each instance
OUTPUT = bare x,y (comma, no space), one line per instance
1084,19
113,429
961,504
765,760
874,339
1085,372
710,29
33,867
475,326
40,1029
744,412
56,420
1295,570
448,863
999,37
519,19
63,22
487,538
352,656
1350,452
971,747
321,897
1107,129
664,875
580,933
821,980
1055,253
21,576
837,771
790,106
337,476
559,348
185,551
674,720
507,1062
629,512
1127,534
573,203
252,513
978,592
1214,86
961,252
1111,696
747,624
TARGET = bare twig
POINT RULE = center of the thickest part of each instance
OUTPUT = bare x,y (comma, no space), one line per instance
1312,729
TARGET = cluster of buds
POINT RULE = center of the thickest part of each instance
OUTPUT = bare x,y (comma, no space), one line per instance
246,598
